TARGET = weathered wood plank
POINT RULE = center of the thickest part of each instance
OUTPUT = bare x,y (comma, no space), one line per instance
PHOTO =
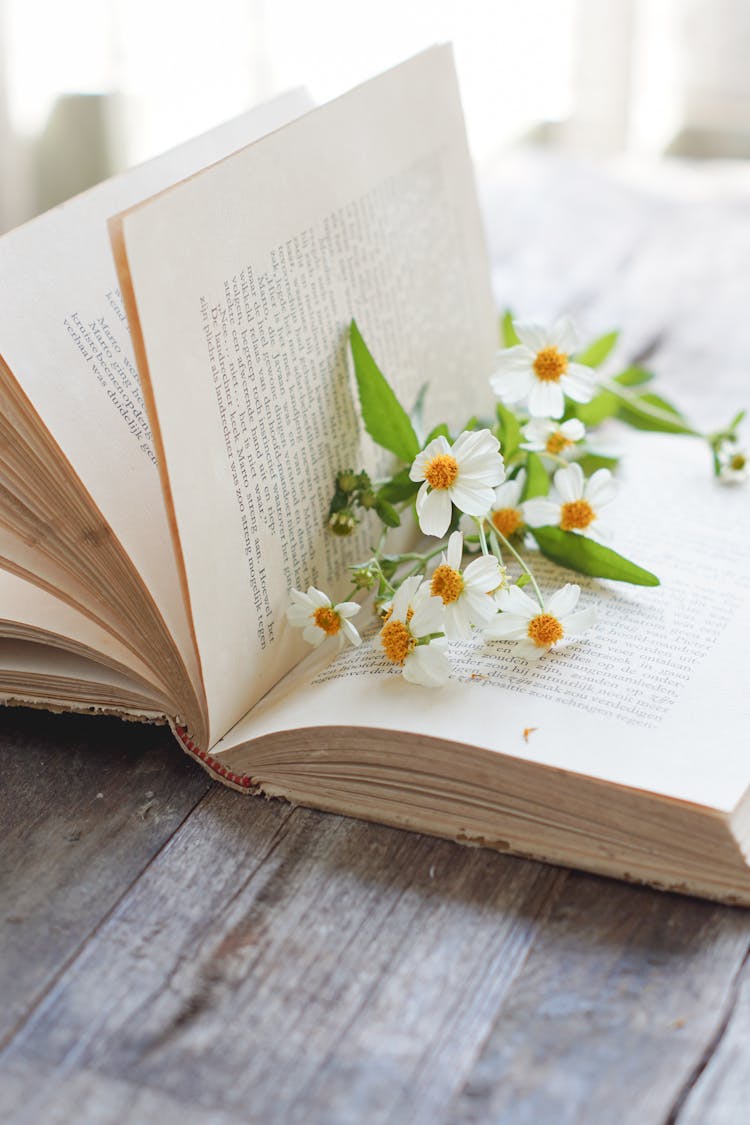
85,803
718,1092
613,1010
305,966
80,1096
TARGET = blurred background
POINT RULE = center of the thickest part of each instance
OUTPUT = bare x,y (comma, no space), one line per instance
88,87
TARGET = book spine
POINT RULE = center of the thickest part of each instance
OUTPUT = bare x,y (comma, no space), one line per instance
236,780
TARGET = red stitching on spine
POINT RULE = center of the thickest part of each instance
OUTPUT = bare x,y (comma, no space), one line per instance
215,766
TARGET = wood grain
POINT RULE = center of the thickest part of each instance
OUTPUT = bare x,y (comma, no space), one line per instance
612,1010
85,803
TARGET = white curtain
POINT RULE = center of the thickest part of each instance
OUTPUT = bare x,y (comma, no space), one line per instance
90,86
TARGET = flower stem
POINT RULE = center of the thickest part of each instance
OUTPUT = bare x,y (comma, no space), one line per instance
636,400
482,536
524,566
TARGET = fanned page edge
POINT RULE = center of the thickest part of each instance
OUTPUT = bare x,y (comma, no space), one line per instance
616,859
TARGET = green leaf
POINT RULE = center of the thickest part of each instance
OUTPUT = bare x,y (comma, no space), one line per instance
588,557
437,431
508,333
603,405
631,413
384,417
522,580
634,376
590,462
510,431
596,353
738,419
416,414
537,479
398,488
387,513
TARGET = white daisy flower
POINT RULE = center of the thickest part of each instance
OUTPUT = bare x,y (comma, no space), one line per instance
539,369
464,474
407,636
575,503
733,462
466,595
558,439
538,630
318,618
507,512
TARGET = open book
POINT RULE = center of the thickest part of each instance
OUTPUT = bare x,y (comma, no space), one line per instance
172,425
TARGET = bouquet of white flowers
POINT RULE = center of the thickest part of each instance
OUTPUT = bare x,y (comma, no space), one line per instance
532,480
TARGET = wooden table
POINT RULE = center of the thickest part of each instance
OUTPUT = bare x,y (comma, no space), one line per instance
173,952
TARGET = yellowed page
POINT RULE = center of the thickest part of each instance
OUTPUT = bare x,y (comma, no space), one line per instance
64,335
655,697
43,676
29,612
245,280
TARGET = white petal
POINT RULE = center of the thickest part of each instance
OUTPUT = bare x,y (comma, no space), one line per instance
351,633
457,624
467,525
434,511
347,609
512,386
480,607
579,622
404,596
427,665
538,430
471,442
565,335
600,488
513,359
474,500
313,635
597,530
516,601
564,600
318,598
579,382
506,627
482,574
508,494
533,334
540,512
569,483
573,429
546,400
455,550
429,617
297,598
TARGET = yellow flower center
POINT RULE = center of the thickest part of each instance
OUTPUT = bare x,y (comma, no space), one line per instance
557,442
328,620
441,471
738,462
544,630
447,584
550,365
397,641
576,515
507,521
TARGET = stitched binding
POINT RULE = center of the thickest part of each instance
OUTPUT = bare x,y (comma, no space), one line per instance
215,766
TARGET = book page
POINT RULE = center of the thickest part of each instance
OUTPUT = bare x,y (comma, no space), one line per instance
64,335
245,280
28,612
654,697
